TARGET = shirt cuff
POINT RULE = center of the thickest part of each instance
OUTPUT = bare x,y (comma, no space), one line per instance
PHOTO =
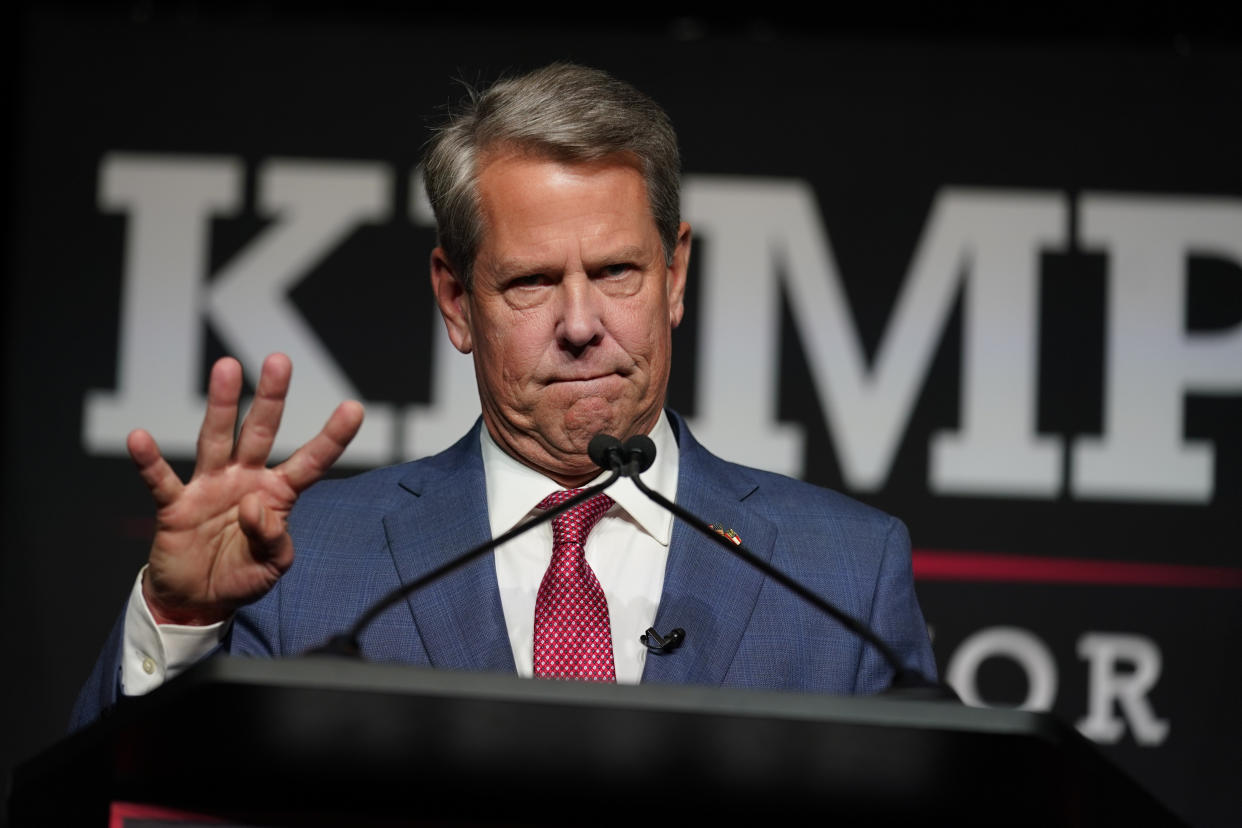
152,653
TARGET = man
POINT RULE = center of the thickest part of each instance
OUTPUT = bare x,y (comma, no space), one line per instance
561,267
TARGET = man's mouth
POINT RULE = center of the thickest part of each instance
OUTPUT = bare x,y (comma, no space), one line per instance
584,377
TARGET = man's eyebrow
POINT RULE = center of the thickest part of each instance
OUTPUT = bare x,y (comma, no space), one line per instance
618,255
520,267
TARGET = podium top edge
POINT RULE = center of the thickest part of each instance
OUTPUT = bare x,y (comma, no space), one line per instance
332,673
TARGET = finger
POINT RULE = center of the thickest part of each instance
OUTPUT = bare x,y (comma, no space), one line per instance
312,461
215,438
266,530
154,470
258,430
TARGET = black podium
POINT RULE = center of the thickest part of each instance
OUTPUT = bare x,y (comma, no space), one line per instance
321,741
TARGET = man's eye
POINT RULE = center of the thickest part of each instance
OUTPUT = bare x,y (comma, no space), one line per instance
615,270
533,280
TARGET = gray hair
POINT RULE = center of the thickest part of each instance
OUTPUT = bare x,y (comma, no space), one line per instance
563,112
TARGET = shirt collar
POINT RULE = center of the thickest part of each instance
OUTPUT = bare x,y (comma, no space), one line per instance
514,489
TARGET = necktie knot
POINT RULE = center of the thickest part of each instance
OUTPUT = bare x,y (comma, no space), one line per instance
573,526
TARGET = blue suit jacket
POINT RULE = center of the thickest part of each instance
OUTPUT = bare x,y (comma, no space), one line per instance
359,538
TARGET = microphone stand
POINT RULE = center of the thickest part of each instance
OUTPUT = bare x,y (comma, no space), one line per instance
637,455
346,643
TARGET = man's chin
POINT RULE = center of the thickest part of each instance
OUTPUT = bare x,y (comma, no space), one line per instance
555,439
589,416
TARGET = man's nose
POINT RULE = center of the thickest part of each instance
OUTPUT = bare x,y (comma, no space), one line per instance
581,318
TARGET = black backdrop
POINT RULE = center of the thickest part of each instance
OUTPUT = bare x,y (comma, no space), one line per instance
1082,161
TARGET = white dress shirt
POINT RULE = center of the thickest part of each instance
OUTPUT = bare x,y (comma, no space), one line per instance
627,549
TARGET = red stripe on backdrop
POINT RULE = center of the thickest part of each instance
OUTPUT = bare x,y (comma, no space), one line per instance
947,565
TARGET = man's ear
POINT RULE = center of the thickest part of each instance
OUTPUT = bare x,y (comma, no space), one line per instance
677,276
453,301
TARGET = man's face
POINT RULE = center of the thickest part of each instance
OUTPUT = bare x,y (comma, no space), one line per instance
571,314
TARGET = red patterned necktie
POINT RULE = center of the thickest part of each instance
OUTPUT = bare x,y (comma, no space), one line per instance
573,639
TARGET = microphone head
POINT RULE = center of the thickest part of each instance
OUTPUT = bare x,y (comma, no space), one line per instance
642,450
605,451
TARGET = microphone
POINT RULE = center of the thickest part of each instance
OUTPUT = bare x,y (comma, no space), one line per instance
634,457
657,643
639,453
605,451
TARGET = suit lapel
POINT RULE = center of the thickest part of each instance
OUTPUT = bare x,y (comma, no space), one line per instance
707,591
459,617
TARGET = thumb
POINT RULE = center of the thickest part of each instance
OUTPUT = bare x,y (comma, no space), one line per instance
260,524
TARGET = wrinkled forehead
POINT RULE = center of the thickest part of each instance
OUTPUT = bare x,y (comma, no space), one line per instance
539,211
493,189
572,157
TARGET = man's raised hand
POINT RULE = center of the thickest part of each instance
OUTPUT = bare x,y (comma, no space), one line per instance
220,539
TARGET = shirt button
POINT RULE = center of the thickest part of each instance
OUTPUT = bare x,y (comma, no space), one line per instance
148,665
